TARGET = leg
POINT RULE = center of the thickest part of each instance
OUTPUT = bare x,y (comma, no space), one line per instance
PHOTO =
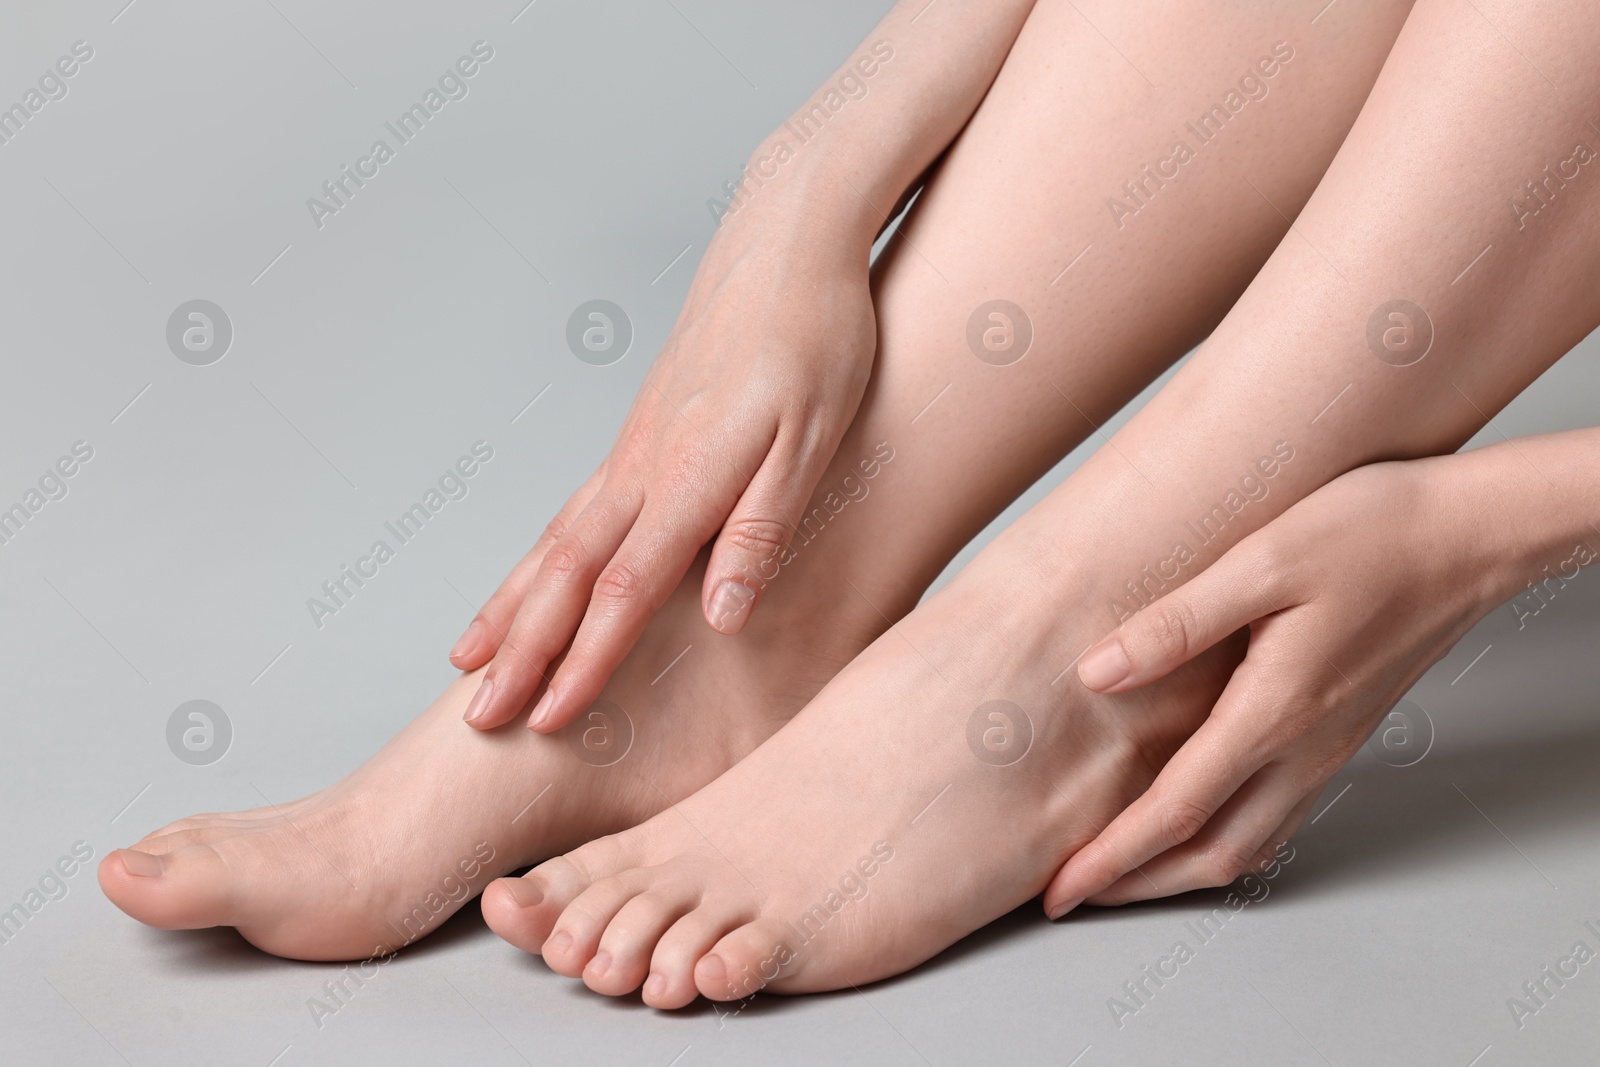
937,781
1039,158
284,876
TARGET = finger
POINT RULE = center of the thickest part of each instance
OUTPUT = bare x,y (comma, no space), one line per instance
1224,752
493,621
750,547
553,608
1242,839
628,592
1219,600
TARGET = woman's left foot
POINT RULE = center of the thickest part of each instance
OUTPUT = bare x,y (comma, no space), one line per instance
937,783
380,859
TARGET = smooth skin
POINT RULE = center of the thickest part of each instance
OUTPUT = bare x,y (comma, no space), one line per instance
1349,597
720,895
1527,299
745,407
341,873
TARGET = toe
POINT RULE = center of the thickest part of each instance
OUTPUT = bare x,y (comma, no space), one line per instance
186,889
623,958
515,908
525,911
232,821
671,983
576,936
171,840
744,961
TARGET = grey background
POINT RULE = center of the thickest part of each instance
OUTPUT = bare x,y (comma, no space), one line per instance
426,316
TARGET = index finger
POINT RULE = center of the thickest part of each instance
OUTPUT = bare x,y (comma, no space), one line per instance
1230,594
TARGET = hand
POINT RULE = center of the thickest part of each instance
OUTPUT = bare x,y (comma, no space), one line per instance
734,426
755,387
1349,597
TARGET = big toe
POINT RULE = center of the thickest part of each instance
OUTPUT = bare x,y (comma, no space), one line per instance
524,910
188,888
515,909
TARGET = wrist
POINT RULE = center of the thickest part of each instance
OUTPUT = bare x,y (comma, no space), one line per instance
1521,531
821,194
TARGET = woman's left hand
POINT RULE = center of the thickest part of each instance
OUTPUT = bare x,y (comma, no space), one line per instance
1349,596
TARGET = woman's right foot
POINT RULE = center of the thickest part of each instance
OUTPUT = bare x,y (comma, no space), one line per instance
930,788
361,865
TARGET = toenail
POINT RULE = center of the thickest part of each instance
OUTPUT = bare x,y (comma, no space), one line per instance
655,987
141,863
600,964
558,943
480,701
713,970
525,893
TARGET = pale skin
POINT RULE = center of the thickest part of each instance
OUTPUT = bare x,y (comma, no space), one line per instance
1350,596
868,834
744,408
401,823
655,905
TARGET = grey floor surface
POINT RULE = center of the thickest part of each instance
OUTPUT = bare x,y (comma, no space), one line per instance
429,313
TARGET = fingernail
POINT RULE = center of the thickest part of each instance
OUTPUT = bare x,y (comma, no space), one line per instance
1104,665
524,892
541,710
600,964
655,987
141,863
1061,909
729,606
557,943
469,640
479,704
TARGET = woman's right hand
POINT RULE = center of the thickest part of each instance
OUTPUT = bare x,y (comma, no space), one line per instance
733,428
754,389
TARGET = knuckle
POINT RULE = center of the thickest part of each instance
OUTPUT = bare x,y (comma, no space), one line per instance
1181,819
566,561
510,670
1270,564
620,582
758,537
1171,629
555,529
1266,856
1223,867
1228,862
1329,762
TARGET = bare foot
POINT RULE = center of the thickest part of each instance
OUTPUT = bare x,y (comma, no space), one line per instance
911,803
387,854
